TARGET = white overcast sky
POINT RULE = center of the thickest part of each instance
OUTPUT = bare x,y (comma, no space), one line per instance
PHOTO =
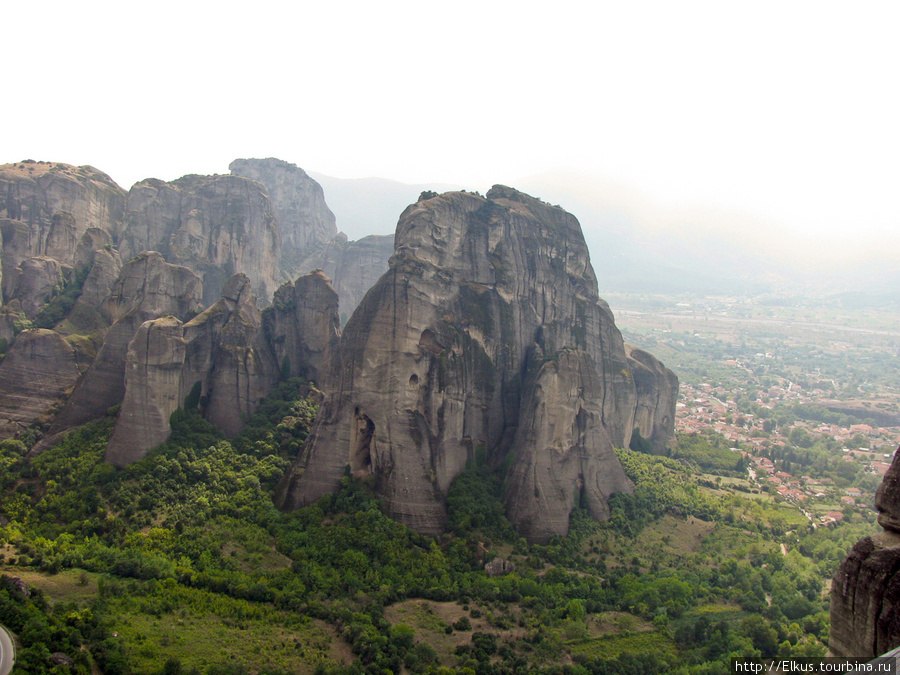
787,109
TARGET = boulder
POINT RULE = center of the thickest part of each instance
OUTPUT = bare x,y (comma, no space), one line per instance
657,393
226,355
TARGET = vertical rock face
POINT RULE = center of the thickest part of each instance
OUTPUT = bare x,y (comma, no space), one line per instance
224,358
302,326
224,353
53,206
147,288
34,281
865,591
309,236
486,334
657,393
153,367
215,225
39,368
305,222
353,266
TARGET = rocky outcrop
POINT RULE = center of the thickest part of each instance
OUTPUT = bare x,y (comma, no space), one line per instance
90,313
865,591
657,393
38,370
305,222
224,360
50,207
226,356
302,327
486,334
216,226
147,288
34,282
352,266
153,366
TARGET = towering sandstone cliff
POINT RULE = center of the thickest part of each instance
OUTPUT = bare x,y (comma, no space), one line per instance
216,226
305,222
865,591
309,236
486,334
51,211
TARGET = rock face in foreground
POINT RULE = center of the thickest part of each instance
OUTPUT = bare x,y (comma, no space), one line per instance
216,226
865,591
486,335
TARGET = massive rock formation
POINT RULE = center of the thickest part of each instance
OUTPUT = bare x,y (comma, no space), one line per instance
223,360
302,327
309,236
226,355
486,334
38,370
46,209
865,591
34,281
305,222
153,366
147,288
657,393
353,266
216,226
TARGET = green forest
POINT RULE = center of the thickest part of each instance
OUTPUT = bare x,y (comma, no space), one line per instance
180,563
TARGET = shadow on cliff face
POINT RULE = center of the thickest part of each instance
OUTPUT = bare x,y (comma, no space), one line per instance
486,332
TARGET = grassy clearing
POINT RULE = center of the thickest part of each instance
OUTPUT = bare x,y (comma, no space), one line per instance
199,640
67,586
611,646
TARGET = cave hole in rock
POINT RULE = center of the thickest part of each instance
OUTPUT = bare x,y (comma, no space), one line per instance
413,380
361,456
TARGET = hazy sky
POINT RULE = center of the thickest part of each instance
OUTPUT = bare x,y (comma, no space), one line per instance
787,109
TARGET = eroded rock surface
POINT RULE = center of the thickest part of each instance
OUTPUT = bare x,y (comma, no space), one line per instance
226,356
657,393
486,334
38,370
153,365
302,327
51,206
352,266
305,222
216,226
34,282
309,236
865,591
147,288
